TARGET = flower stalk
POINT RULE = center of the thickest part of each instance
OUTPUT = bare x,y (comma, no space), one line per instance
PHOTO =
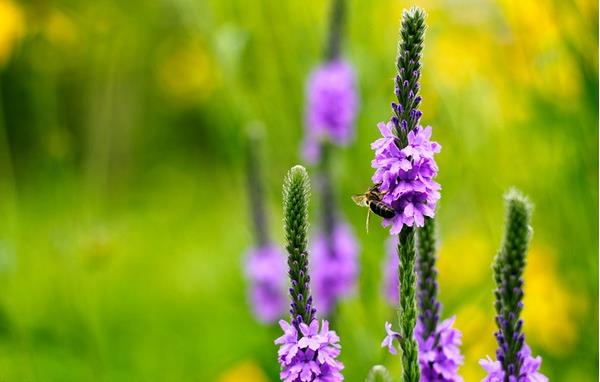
331,109
307,351
514,359
405,119
508,270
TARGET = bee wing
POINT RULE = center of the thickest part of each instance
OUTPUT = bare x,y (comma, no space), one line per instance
360,200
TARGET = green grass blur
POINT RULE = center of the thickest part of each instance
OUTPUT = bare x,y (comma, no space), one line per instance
123,213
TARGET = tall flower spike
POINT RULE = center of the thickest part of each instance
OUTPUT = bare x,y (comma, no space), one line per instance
404,162
264,263
514,360
404,173
331,105
439,354
306,352
331,97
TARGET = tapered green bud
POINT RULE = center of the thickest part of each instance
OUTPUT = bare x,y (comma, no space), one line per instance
296,193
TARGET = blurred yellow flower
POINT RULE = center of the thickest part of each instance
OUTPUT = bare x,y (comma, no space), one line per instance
59,29
460,56
551,311
246,371
186,72
473,254
12,28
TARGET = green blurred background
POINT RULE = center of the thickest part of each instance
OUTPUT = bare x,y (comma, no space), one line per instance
122,202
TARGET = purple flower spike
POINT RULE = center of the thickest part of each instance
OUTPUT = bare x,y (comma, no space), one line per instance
529,371
266,271
334,276
309,355
331,107
406,175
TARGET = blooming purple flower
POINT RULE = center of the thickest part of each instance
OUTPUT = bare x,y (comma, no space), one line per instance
309,355
390,271
334,274
406,175
529,371
439,356
388,341
331,107
266,271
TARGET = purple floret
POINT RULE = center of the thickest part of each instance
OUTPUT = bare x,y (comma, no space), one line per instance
331,107
389,339
406,175
266,271
529,371
334,274
309,355
439,355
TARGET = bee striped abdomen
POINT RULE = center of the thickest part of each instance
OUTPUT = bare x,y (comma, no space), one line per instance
381,209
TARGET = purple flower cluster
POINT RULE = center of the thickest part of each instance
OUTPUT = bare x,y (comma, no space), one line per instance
309,355
406,175
529,371
333,272
331,107
439,355
266,270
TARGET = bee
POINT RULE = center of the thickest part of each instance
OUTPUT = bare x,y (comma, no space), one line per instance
372,200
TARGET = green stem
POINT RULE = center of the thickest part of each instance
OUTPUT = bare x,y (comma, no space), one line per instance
408,304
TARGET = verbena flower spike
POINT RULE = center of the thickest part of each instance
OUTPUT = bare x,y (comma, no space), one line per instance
331,95
404,165
514,360
264,263
306,353
330,113
404,172
439,354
